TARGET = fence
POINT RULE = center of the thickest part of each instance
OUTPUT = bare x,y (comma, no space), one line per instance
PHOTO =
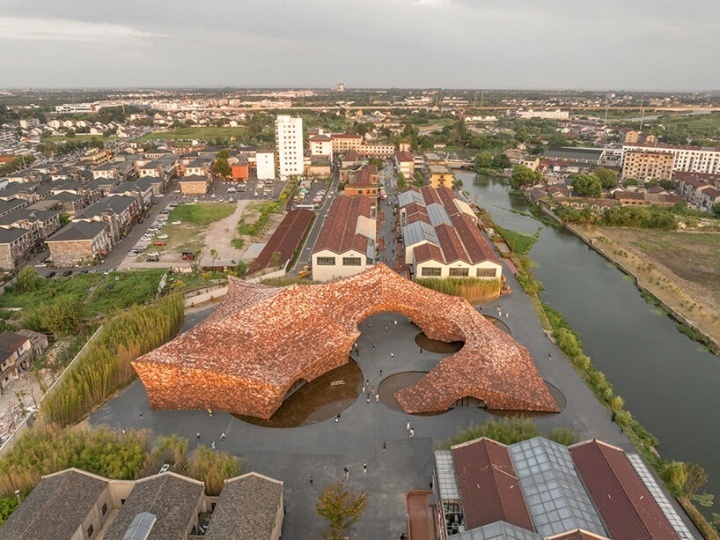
25,423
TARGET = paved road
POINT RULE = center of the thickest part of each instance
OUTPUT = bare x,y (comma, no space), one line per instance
306,253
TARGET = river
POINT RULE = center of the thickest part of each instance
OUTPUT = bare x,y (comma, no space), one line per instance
668,383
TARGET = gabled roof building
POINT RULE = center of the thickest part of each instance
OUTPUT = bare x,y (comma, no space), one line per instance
441,236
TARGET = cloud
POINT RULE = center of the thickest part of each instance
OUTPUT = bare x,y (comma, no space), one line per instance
26,29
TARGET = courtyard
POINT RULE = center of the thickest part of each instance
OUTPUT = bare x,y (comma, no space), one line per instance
323,448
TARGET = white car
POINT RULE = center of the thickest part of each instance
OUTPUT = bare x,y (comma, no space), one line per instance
163,237
176,223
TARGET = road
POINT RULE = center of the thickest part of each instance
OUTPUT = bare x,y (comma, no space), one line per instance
306,253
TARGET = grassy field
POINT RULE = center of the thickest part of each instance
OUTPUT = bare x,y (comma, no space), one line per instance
680,268
673,250
190,234
190,133
99,293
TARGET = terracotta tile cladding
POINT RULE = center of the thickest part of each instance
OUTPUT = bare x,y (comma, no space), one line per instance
261,340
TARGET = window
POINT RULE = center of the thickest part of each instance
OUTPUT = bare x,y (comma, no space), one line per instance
90,531
428,271
352,261
459,272
485,272
104,509
326,261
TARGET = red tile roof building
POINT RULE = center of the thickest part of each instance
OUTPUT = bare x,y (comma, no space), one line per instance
346,243
489,486
284,241
441,237
260,341
620,495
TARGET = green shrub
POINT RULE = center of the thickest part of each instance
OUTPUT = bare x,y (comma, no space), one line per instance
105,366
564,436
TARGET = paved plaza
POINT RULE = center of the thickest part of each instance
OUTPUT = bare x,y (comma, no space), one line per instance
324,448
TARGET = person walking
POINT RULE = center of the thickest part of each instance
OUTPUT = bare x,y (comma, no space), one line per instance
412,432
142,419
212,445
337,418
222,436
377,397
198,436
311,480
364,467
347,472
407,426
549,356
392,356
367,399
381,372
384,446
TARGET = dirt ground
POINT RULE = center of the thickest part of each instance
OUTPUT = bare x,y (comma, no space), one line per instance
680,268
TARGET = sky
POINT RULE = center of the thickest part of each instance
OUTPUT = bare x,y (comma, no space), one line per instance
666,45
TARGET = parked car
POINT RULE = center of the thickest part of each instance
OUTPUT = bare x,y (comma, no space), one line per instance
188,256
66,273
41,265
163,237
160,244
152,258
50,274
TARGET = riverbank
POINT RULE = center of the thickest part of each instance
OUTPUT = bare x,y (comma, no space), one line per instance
658,282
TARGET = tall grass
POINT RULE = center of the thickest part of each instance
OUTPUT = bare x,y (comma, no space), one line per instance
105,366
474,290
45,450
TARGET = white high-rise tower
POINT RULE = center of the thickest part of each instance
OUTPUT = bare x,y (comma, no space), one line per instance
289,142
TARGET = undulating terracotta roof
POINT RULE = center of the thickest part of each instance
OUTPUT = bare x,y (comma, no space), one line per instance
260,341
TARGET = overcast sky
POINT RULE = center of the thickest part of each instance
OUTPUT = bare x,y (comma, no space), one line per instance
578,44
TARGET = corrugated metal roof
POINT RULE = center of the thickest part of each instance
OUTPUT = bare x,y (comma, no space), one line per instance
497,531
409,196
555,495
417,232
438,215
445,473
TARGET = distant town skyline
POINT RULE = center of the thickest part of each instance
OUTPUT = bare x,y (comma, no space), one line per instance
519,44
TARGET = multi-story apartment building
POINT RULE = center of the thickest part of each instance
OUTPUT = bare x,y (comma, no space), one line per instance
645,166
346,142
687,158
289,143
265,164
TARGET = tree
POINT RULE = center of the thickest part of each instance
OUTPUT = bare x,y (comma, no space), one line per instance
401,182
608,178
587,185
501,161
214,255
222,168
241,269
341,507
524,176
483,160
223,154
28,280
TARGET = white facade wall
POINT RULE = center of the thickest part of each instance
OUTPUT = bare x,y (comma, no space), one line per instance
699,160
328,272
265,162
484,269
289,143
321,148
